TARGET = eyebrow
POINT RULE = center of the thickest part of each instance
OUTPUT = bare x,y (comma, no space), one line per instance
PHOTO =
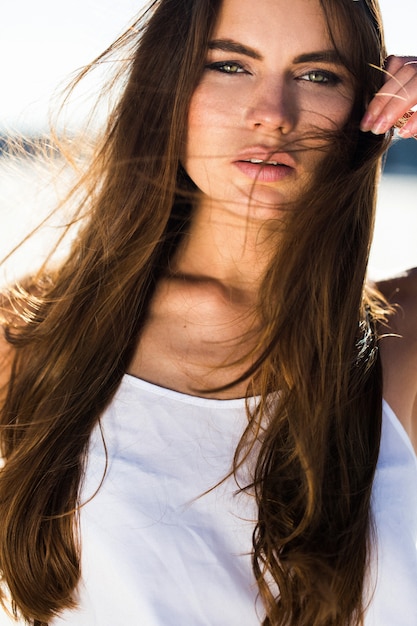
326,56
228,45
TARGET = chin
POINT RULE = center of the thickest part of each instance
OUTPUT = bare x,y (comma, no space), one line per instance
268,202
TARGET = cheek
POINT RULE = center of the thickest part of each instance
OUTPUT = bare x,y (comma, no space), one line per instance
198,119
194,137
343,112
207,124
212,109
340,108
205,107
327,110
197,138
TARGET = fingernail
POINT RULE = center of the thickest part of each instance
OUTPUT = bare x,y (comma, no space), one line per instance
405,133
367,122
380,126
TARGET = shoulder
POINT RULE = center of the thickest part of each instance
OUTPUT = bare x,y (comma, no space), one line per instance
401,292
398,347
404,283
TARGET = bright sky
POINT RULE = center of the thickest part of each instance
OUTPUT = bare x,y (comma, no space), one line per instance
42,42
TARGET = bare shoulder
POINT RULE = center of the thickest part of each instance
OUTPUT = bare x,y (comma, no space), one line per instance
401,292
398,348
402,285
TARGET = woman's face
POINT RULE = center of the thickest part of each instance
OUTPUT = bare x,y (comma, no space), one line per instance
272,82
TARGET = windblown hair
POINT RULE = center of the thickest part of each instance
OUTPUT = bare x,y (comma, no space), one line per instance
74,330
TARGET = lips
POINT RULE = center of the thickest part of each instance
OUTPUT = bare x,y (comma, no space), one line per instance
260,164
259,161
264,155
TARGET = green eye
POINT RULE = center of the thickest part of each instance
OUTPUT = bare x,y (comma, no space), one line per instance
227,67
318,77
232,68
321,77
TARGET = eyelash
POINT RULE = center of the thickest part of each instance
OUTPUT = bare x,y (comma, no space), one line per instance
325,77
220,66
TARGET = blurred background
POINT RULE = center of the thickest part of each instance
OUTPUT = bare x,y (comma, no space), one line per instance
43,43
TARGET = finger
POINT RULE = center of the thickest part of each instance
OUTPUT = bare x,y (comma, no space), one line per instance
402,121
394,63
397,71
396,97
408,125
399,93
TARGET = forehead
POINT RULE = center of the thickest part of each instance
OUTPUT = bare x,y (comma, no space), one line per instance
275,25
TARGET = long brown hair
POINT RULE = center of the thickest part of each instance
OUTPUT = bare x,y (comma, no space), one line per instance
74,331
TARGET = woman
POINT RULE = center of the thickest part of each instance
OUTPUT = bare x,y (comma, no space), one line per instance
192,401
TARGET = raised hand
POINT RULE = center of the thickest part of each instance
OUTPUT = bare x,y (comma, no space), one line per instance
395,103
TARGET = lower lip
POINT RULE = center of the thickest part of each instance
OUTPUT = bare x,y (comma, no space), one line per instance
263,173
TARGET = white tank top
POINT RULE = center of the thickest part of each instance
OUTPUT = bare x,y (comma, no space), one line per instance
157,552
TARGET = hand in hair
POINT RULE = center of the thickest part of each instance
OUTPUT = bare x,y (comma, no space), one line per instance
393,104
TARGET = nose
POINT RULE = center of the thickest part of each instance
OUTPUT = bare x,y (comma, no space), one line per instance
272,107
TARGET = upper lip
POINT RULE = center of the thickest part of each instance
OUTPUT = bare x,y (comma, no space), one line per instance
267,155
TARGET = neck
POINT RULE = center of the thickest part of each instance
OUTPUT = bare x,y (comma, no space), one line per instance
203,329
226,248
